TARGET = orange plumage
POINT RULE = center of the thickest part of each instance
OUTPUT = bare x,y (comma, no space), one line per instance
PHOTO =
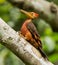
28,30
33,39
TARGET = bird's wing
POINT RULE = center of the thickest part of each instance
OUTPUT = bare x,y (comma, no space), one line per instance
31,27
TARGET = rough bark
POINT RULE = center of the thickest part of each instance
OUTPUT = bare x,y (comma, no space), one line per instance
47,10
20,47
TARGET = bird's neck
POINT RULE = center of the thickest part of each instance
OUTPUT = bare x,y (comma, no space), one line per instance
27,21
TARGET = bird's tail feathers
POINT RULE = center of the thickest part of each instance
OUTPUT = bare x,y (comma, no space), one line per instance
42,53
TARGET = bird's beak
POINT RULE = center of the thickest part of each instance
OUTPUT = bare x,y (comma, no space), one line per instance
29,14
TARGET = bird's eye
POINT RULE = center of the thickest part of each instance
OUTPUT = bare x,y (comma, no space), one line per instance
33,14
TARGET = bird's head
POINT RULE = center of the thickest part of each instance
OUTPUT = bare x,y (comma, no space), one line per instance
30,15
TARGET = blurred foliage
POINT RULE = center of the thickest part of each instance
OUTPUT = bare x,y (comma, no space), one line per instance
15,18
55,1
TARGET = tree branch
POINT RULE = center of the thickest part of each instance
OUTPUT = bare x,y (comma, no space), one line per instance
27,53
47,10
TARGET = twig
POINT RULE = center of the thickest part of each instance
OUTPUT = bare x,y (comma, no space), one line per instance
20,47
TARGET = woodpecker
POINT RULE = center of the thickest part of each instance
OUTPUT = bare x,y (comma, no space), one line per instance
30,33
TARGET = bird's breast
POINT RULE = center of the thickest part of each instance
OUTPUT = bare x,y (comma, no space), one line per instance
24,30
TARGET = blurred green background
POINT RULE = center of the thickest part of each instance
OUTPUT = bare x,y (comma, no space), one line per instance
12,16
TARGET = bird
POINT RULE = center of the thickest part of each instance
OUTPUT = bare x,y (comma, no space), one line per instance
30,33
